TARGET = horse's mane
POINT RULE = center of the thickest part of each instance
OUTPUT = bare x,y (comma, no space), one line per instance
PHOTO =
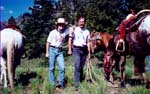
111,44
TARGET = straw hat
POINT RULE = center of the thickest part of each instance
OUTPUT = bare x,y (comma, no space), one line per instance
61,21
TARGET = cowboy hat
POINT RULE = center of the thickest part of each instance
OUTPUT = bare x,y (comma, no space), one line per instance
61,21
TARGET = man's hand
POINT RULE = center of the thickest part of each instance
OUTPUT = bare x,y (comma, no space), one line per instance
89,56
69,52
47,55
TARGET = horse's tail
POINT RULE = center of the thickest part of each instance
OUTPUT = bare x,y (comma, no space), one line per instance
10,62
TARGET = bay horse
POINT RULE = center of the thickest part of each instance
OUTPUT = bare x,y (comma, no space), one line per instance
136,44
11,50
99,41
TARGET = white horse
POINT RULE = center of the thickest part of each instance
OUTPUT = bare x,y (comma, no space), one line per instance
11,50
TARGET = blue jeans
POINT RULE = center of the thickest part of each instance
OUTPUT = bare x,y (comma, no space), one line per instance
56,54
148,63
79,55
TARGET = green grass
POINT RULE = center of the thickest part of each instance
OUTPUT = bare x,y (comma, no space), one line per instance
39,83
138,90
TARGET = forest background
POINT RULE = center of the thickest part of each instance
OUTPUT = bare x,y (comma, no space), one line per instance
101,16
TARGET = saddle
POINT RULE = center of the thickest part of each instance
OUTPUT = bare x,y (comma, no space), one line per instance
132,26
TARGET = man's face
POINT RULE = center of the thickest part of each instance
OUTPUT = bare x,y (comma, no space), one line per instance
81,22
60,26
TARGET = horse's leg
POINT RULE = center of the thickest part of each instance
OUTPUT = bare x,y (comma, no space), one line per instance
123,62
148,40
144,78
5,76
1,75
10,62
139,66
3,71
111,69
107,69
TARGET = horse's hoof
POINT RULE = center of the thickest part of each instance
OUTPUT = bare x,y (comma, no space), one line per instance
147,85
122,84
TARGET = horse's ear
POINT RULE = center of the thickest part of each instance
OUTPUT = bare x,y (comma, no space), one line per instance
94,31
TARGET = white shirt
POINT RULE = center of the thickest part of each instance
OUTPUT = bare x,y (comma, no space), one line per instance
80,36
56,38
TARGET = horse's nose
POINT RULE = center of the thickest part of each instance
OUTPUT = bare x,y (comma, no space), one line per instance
92,52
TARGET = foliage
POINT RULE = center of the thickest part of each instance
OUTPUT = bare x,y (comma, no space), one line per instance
137,90
101,15
37,27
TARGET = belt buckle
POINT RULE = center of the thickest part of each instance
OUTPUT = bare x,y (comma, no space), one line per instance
55,47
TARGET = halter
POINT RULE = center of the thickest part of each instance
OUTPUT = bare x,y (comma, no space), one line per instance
97,37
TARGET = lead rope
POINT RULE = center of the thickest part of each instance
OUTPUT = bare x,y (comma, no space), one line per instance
90,72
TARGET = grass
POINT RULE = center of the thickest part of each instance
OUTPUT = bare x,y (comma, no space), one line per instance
137,90
33,78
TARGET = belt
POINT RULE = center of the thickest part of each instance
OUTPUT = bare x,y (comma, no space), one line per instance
56,47
79,46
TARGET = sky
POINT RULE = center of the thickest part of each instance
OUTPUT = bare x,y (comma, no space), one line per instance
14,8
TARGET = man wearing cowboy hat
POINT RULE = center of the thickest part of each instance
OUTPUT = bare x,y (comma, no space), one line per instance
54,52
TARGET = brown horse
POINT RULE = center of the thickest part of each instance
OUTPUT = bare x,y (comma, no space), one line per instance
136,44
99,41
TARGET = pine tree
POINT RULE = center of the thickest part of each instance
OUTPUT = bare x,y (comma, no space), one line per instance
37,28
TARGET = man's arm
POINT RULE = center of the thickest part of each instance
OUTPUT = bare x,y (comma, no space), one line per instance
70,46
71,30
89,46
89,49
47,49
49,40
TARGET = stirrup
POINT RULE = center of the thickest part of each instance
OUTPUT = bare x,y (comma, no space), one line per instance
117,46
